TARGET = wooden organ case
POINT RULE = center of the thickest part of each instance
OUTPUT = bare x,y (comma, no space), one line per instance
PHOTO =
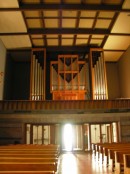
68,78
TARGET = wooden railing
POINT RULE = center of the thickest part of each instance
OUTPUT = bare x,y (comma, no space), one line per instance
27,105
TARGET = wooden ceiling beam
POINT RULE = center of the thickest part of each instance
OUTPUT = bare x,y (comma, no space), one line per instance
73,31
68,31
96,7
64,49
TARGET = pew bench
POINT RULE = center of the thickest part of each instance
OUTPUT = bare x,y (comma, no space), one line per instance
29,155
108,152
113,158
27,172
119,161
28,166
23,159
29,151
101,151
31,147
126,163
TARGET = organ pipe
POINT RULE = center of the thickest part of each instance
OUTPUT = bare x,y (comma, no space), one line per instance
37,84
99,78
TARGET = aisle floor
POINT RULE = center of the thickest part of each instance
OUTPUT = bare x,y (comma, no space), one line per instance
80,163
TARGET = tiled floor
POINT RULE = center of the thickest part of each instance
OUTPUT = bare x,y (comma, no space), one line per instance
80,163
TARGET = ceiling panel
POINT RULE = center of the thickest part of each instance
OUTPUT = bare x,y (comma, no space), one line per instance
86,23
31,1
69,13
98,36
31,13
67,42
104,14
122,25
67,35
112,56
36,36
52,42
16,41
51,23
117,42
11,22
88,13
82,36
102,23
96,42
8,4
72,1
52,1
126,4
34,23
93,1
52,36
68,23
81,41
112,2
38,42
50,13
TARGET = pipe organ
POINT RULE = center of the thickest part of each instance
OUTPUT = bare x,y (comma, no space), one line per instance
68,78
37,75
98,75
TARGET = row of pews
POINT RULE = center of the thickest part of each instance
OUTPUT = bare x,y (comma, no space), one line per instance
116,156
29,159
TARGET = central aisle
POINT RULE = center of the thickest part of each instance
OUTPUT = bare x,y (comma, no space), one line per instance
80,163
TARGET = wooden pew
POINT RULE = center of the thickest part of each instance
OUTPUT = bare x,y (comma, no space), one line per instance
126,163
119,161
28,158
113,157
23,159
103,152
34,155
28,166
27,172
29,151
31,146
108,152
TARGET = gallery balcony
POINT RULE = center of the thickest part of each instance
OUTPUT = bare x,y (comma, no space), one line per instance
49,106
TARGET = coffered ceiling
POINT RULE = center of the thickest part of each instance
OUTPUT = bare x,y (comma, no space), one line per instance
66,25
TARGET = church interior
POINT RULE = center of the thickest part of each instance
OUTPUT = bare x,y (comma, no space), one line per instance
64,78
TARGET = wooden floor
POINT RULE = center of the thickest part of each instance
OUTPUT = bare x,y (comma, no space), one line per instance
80,163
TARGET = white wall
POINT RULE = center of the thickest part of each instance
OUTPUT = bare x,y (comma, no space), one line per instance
2,68
124,74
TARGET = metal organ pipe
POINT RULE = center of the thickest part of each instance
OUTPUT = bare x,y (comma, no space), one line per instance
33,67
100,85
37,86
96,86
42,94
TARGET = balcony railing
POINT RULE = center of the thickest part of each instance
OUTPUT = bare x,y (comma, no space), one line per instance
49,105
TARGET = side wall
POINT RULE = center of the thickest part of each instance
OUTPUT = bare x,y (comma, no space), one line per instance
124,74
11,133
112,80
2,68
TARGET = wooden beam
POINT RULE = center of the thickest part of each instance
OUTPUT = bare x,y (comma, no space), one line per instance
74,31
82,6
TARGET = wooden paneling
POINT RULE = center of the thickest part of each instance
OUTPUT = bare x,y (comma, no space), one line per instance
26,105
11,133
